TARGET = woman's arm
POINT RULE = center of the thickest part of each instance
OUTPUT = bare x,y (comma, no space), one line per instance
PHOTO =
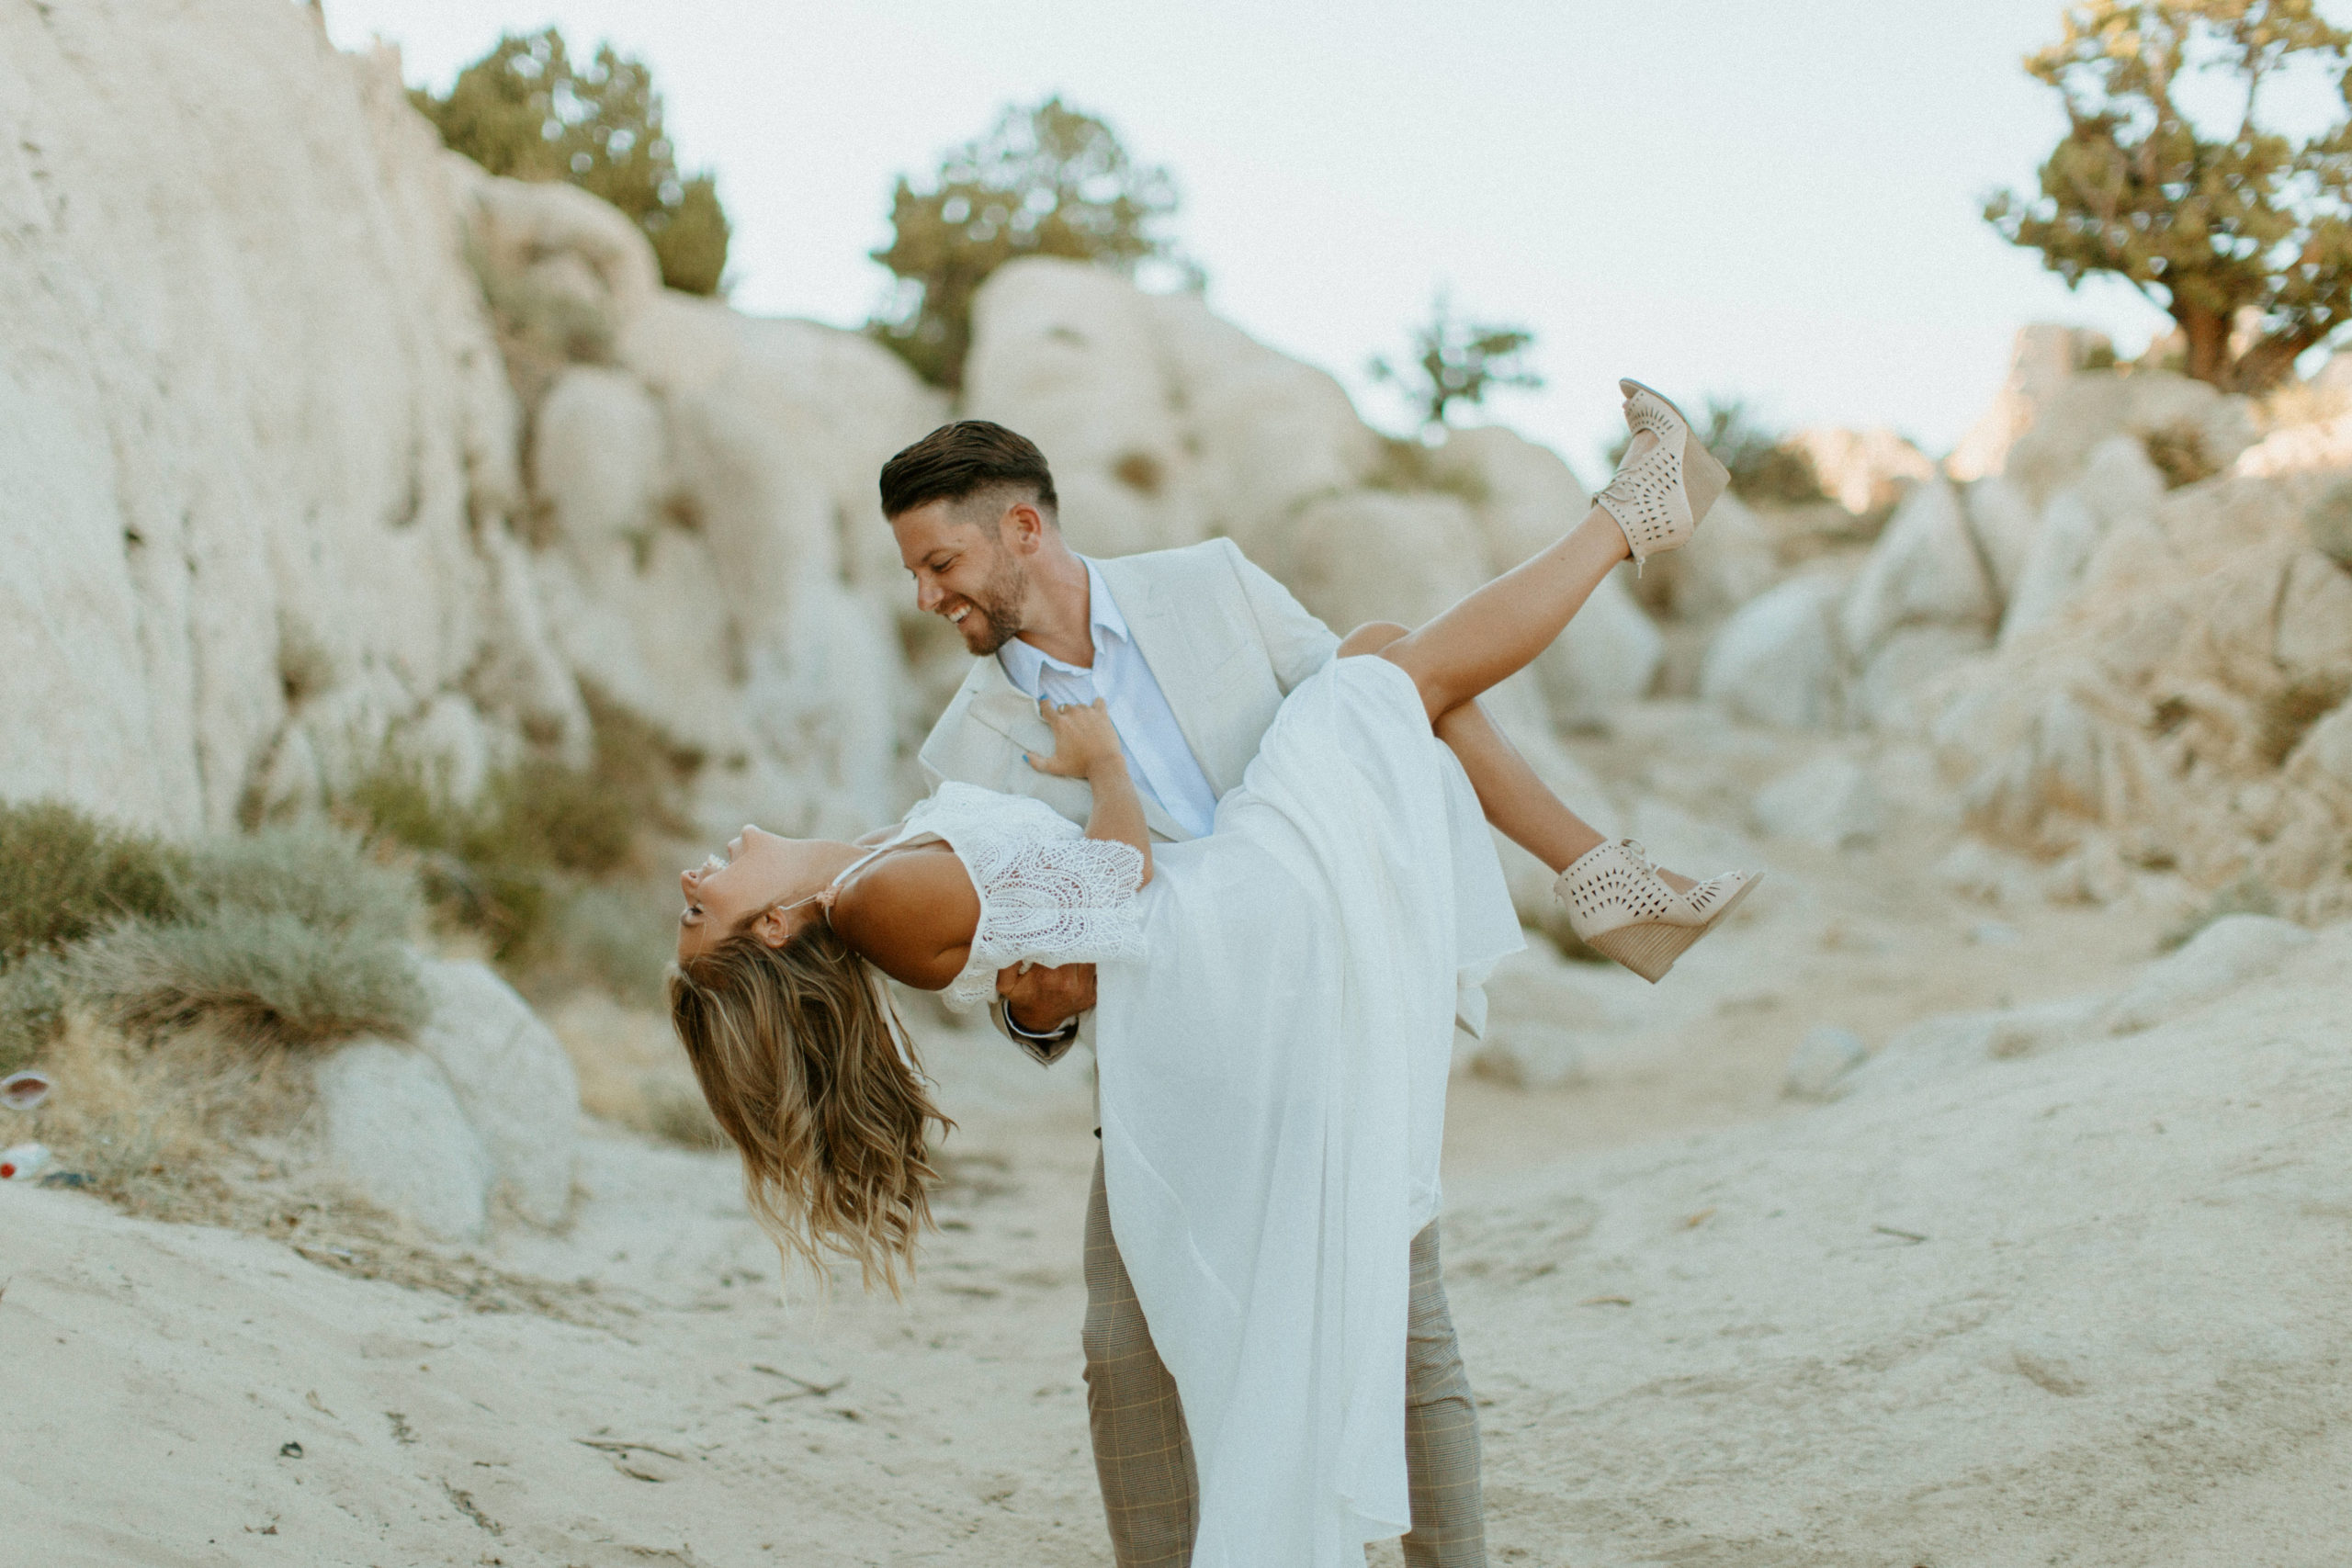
1087,747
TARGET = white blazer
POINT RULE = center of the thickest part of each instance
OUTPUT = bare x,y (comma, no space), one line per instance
1226,642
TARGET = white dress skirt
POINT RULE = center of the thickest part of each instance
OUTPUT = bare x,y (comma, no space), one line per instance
1273,1072
1273,1027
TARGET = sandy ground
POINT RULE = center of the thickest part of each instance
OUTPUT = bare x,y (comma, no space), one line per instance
2082,1306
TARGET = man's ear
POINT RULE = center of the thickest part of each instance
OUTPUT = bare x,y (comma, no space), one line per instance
1023,527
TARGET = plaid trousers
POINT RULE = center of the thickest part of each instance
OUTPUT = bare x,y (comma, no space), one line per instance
1144,1455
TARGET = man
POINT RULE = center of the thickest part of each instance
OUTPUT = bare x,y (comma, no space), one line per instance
1192,651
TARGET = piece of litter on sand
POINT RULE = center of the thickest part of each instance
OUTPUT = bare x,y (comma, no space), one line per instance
1905,1235
1606,1302
312,1400
23,1091
289,1451
22,1160
1692,1222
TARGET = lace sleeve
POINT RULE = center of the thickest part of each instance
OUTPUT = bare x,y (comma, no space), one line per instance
1049,901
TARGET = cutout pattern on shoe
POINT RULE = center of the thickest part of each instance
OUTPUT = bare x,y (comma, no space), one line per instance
1620,906
1647,497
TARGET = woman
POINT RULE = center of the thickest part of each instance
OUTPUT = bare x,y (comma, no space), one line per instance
1273,1013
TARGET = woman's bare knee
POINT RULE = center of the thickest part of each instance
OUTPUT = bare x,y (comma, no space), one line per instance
1372,636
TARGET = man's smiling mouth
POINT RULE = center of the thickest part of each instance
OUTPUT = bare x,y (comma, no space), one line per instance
956,617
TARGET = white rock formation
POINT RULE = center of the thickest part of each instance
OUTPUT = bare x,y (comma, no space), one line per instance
2042,358
396,1133
513,1082
2224,957
1778,661
1163,423
1926,570
253,422
2119,488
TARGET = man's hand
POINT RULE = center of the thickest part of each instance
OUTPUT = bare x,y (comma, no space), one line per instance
1041,1000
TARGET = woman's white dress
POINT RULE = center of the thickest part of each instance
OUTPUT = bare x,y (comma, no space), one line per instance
1273,1027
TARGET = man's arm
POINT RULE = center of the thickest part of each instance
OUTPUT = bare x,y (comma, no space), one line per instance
1296,642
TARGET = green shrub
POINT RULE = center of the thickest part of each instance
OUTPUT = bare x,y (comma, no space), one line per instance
527,110
314,872
507,862
290,936
270,977
65,875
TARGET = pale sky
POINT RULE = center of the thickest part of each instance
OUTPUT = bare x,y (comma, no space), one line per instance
1775,199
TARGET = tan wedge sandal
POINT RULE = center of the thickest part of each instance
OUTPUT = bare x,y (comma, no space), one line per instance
1658,499
1620,906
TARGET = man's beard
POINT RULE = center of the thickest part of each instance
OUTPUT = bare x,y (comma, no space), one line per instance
997,605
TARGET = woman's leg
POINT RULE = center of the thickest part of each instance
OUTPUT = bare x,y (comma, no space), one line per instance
1498,630
1515,799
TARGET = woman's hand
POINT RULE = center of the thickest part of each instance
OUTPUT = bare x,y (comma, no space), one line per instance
1084,740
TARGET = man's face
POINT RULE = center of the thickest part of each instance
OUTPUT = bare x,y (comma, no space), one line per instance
967,572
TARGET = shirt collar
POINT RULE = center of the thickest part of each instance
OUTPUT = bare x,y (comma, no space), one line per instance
1025,663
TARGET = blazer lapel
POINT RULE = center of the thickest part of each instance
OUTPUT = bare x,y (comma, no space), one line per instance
1194,693
999,705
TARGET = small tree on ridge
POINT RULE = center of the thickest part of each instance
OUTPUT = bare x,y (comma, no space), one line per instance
1455,361
1048,181
525,111
2206,224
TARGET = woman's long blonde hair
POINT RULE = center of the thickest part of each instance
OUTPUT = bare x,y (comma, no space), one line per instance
808,1071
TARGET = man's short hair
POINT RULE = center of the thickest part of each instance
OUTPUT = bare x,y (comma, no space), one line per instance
958,461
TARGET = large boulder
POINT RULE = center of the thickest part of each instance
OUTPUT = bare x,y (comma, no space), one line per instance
2004,523
2168,718
564,271
1371,555
512,1081
2187,426
1071,356
1926,570
396,1134
1778,661
2042,359
1164,424
2224,957
2120,487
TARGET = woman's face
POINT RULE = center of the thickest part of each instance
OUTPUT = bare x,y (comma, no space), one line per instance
760,871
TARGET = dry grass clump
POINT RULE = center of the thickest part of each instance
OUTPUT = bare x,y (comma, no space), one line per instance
154,1125
292,936
64,874
271,978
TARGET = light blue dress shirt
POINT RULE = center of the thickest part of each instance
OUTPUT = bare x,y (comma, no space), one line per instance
1157,754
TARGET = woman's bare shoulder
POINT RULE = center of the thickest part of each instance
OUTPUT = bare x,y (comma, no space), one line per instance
911,914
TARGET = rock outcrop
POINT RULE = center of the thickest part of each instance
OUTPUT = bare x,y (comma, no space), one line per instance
259,444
